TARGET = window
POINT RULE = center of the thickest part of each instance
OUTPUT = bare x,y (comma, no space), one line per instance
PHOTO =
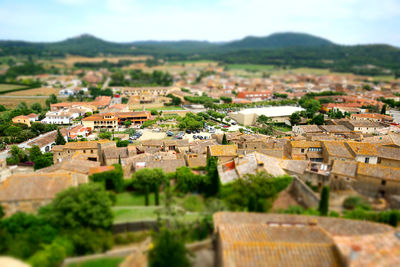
302,150
84,151
91,151
366,160
383,182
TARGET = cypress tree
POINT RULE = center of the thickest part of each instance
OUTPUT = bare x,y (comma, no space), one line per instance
324,201
224,140
156,195
146,195
394,218
383,110
60,139
214,184
119,160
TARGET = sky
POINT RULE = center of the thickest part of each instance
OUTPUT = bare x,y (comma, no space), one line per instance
341,21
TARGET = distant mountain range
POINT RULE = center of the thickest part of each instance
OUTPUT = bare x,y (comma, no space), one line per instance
282,49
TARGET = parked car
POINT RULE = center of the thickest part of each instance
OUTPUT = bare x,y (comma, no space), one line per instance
156,130
226,126
194,136
188,131
233,123
169,133
200,137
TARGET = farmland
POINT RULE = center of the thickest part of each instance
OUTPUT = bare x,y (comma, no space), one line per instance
35,92
6,87
13,102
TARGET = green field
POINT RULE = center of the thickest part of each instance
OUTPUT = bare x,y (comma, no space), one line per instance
251,67
103,262
191,62
6,87
162,108
134,199
130,207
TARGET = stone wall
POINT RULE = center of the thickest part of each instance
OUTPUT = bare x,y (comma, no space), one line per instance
303,193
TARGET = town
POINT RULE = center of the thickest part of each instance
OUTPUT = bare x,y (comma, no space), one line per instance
192,145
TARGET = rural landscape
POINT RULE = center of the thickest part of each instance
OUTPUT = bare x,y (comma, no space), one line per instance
275,148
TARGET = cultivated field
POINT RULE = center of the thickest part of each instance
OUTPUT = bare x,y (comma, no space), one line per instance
13,102
36,92
5,87
71,60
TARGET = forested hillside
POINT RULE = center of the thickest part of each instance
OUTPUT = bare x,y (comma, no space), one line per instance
282,49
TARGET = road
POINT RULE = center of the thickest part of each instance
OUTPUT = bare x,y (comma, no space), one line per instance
106,83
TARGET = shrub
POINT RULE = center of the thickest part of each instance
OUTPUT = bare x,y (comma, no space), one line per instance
168,251
352,202
89,241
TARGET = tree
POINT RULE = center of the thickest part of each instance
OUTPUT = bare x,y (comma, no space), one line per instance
256,192
311,105
12,131
36,107
119,160
295,118
51,100
1,212
324,201
168,251
86,206
318,120
393,219
34,153
59,138
187,181
43,161
112,180
213,184
147,179
224,141
17,155
383,110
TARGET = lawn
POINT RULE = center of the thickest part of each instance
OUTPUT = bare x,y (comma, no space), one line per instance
130,207
283,128
134,199
134,213
140,213
5,87
103,262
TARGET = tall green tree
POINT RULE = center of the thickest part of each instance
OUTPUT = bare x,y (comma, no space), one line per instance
383,110
224,140
213,184
148,179
168,251
324,201
112,180
59,138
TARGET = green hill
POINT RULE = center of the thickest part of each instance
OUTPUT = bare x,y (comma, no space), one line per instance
280,49
280,40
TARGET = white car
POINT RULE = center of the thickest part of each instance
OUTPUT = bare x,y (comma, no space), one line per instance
156,130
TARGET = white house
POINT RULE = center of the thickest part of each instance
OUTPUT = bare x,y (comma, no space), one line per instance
66,115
